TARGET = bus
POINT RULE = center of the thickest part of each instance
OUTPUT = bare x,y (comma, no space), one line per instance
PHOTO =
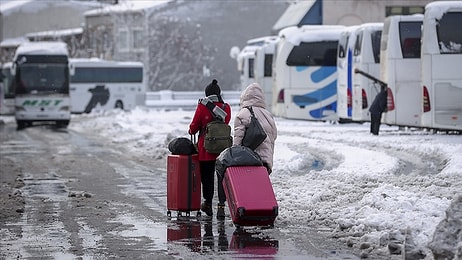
366,57
41,83
7,91
441,66
98,84
345,73
305,73
400,69
263,67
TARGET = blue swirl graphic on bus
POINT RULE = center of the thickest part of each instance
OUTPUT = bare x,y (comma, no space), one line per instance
319,113
320,94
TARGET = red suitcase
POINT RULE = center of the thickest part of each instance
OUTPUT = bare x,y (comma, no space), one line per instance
250,196
183,184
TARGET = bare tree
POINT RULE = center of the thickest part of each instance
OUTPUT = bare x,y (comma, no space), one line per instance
177,53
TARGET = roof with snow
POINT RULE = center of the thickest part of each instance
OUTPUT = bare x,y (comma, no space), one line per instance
34,48
56,33
300,13
129,6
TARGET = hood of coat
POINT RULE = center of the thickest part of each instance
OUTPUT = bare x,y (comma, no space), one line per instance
253,96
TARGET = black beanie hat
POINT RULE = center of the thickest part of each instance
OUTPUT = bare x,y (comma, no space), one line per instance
213,89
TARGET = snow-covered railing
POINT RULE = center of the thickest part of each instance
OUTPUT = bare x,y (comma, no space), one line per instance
185,99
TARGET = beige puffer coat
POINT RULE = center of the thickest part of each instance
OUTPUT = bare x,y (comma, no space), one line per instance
253,96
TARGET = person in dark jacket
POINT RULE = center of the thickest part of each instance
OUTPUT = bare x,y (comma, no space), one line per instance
378,106
202,117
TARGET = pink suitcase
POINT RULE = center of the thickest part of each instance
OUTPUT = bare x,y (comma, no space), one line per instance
250,196
183,184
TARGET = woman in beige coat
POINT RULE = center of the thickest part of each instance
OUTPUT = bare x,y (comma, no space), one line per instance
253,96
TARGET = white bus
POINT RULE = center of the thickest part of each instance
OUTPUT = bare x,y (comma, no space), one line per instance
305,73
366,57
441,66
41,83
7,91
102,85
345,73
263,67
400,69
245,65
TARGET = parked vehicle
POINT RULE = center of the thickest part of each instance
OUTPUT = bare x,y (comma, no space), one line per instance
7,91
441,66
366,57
345,73
305,79
400,69
103,85
263,67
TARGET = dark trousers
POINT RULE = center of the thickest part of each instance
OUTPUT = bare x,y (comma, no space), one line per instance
208,182
375,123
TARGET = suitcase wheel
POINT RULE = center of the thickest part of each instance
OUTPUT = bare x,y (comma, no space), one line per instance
198,214
241,212
169,213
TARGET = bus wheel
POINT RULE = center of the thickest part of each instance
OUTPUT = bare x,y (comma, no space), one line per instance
21,124
62,123
119,104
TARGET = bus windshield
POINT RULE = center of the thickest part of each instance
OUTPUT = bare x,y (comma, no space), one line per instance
314,54
410,34
35,78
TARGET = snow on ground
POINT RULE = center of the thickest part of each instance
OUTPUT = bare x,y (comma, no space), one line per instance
378,192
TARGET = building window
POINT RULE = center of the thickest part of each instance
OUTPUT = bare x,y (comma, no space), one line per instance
403,10
137,39
123,40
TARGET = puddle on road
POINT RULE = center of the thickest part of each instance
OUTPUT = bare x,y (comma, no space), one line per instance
189,236
141,227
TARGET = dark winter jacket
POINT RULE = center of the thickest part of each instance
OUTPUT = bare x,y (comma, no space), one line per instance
379,105
253,96
201,118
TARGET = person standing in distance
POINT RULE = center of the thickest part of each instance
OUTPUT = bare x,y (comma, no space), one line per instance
254,97
378,106
202,117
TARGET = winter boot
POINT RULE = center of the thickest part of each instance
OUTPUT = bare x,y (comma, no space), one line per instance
221,211
207,208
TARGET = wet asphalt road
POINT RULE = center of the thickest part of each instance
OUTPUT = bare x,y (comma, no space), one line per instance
86,198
